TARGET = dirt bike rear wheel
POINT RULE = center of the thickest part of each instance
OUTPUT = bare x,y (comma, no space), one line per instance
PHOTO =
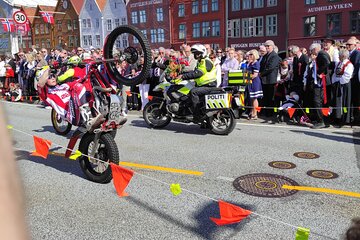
127,43
107,151
154,116
223,122
60,125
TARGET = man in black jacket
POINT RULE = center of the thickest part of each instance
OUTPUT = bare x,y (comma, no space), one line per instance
318,74
269,68
299,66
355,84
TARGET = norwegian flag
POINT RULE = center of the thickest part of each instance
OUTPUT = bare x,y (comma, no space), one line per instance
47,17
8,24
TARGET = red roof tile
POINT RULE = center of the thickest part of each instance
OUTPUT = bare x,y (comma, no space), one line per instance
101,4
77,4
30,13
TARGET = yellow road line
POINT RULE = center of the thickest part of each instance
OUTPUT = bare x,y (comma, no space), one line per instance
143,166
57,154
323,190
165,169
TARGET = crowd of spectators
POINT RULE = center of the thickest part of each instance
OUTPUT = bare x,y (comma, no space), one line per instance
325,76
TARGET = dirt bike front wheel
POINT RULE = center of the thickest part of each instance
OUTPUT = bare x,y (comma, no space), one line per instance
60,125
107,151
127,46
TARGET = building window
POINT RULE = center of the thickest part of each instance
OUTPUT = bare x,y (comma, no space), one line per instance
355,22
42,43
182,31
153,36
117,22
204,6
123,21
71,41
181,11
214,5
206,29
215,28
75,24
235,5
97,40
47,29
234,28
83,23
252,27
246,4
161,35
196,30
258,3
271,25
48,44
142,15
333,24
88,23
97,23
42,30
144,32
159,15
109,24
134,18
69,25
59,24
308,2
36,29
90,40
195,7
309,26
85,40
271,3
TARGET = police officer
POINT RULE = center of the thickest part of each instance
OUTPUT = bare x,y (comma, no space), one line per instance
204,75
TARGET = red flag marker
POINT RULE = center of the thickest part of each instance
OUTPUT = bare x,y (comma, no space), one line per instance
41,147
230,213
150,98
258,109
325,111
30,98
121,178
291,112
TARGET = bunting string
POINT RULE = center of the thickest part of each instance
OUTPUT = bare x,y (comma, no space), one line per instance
168,184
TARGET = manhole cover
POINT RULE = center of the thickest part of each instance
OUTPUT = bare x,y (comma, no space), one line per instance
306,155
282,165
322,174
264,185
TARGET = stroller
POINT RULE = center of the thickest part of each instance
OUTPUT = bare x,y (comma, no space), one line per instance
299,116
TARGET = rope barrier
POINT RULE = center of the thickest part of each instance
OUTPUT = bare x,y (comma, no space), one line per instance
168,184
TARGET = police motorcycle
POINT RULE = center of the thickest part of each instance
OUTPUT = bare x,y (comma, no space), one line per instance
215,108
124,43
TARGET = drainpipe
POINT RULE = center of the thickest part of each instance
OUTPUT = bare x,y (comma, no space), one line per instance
226,23
80,32
103,30
287,26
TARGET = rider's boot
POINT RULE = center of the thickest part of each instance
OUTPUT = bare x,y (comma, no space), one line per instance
90,122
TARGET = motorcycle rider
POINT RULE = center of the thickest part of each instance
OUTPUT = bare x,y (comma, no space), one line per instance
74,71
204,75
72,94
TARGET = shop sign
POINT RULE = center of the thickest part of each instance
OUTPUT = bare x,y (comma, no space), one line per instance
145,3
246,45
330,7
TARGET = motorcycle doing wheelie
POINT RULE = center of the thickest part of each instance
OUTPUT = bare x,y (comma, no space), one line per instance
215,107
97,145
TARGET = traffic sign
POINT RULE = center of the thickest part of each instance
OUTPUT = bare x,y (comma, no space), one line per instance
20,17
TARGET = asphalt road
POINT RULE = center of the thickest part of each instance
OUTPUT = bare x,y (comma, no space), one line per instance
62,204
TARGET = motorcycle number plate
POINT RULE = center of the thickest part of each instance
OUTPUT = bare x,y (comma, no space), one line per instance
218,101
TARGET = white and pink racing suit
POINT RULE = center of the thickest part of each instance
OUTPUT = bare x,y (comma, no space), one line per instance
65,99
